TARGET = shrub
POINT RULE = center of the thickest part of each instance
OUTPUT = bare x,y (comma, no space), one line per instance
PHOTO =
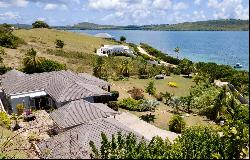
59,43
114,95
20,109
122,39
113,105
149,105
177,71
48,65
5,120
40,24
136,93
131,104
150,88
198,142
172,84
176,124
166,96
4,69
2,51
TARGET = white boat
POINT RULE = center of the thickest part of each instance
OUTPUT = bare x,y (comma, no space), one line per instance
237,65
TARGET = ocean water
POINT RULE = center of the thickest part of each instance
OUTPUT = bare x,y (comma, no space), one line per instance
222,47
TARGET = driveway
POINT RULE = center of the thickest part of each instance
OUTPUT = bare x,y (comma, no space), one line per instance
147,130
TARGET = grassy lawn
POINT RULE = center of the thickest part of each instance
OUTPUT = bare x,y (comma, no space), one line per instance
163,113
13,145
161,85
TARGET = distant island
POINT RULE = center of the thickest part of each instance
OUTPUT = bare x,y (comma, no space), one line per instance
211,25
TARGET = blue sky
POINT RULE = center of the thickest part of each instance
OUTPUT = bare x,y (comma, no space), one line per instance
120,12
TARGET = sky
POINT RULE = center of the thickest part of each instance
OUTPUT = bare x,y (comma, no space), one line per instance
120,12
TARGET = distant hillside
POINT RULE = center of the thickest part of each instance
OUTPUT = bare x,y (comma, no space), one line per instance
211,25
22,26
217,25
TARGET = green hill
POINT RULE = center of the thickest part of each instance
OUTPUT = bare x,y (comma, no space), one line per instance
211,25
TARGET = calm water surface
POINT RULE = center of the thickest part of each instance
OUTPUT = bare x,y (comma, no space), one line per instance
223,47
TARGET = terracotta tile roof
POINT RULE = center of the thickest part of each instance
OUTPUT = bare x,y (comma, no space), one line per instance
80,112
74,143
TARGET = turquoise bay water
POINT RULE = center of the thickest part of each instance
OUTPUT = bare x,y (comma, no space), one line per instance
222,47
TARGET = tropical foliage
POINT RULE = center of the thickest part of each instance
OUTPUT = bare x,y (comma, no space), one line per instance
5,120
176,124
7,39
150,88
198,142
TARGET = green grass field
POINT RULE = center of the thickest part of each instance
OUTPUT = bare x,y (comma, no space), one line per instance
163,112
43,40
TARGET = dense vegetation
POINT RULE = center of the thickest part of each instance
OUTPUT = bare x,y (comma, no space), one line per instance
40,24
35,64
158,54
7,39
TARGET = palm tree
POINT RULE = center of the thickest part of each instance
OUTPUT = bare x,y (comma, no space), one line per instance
177,51
31,58
125,68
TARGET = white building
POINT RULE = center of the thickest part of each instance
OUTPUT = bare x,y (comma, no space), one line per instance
107,50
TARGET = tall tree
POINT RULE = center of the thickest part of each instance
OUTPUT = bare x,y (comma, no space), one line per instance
125,69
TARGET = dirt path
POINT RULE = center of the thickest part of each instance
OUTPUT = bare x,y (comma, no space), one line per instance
141,50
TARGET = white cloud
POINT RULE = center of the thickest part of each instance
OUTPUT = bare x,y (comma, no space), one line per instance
162,4
50,6
198,15
180,6
9,15
197,2
20,3
228,9
107,4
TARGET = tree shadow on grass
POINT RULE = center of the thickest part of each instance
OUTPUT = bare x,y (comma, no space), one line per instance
148,118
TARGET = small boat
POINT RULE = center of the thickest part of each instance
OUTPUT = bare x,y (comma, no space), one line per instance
237,65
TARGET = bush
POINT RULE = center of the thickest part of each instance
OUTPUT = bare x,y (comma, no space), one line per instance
122,39
20,109
150,88
5,120
59,43
4,69
149,105
136,93
40,24
48,65
177,71
2,51
172,84
131,104
176,124
113,105
114,95
198,142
